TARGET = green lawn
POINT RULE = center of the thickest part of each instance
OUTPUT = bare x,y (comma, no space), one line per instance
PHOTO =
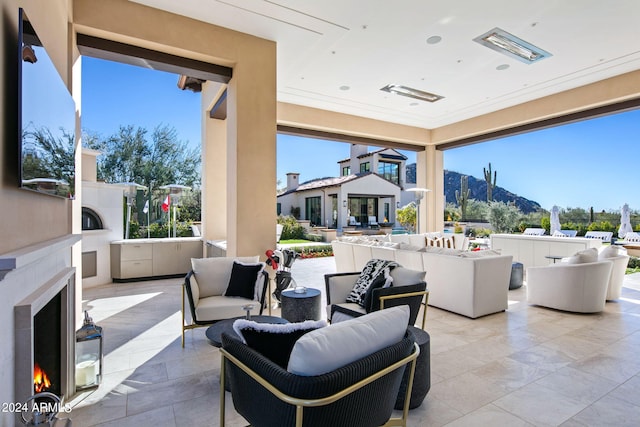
294,241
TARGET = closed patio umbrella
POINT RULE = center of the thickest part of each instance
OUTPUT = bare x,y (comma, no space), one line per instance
625,222
555,220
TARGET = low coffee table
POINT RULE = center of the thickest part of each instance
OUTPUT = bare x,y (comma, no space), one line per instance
214,332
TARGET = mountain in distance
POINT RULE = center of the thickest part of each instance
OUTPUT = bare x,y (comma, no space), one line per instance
478,189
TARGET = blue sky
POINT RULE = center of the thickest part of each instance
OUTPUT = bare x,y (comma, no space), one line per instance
590,163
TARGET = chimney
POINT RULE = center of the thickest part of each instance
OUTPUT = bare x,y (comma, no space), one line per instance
292,181
357,150
89,164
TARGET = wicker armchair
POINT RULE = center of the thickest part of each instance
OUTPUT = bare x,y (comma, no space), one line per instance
360,394
339,285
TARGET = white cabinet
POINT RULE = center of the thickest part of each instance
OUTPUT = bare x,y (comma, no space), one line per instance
532,251
140,258
174,257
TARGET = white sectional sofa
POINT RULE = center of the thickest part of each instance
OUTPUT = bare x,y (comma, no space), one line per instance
472,284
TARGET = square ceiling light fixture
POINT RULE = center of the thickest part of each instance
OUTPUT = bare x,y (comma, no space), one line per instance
412,93
510,45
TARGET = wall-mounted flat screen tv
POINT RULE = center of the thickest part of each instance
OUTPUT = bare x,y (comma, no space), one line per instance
46,119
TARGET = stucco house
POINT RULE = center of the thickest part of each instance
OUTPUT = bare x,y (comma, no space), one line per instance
370,184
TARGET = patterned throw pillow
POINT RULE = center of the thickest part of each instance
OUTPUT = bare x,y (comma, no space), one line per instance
375,274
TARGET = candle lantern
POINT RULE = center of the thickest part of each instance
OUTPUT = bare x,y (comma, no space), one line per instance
88,354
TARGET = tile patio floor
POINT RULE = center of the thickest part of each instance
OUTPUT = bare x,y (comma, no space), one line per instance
526,366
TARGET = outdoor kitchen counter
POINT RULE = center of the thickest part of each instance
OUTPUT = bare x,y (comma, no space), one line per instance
134,259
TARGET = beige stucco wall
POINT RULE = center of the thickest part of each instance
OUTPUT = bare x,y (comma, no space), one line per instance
328,121
250,179
27,217
605,92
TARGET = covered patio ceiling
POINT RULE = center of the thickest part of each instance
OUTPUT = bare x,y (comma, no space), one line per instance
337,56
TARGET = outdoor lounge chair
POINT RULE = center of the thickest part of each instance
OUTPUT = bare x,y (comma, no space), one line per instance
533,232
353,222
411,292
373,222
605,236
207,284
360,390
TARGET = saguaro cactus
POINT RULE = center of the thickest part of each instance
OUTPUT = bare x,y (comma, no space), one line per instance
462,197
490,185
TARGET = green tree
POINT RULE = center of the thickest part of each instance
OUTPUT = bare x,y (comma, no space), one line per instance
451,212
132,155
503,217
407,216
476,210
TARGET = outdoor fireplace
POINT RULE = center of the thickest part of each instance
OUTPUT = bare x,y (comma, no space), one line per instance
47,343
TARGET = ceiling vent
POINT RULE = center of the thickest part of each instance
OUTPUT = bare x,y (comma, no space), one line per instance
512,46
412,93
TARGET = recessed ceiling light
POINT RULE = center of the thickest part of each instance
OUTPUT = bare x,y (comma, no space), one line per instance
411,93
510,45
434,39
345,87
413,104
502,67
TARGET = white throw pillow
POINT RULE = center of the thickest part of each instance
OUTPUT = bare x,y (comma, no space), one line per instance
611,251
481,253
584,256
327,349
403,276
213,274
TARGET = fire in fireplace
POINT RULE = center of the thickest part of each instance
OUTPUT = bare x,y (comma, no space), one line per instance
47,347
40,379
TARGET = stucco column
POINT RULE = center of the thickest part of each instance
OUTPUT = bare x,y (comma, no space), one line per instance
430,174
214,174
251,153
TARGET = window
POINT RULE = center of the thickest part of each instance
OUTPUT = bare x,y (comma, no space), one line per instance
389,171
313,210
278,208
91,220
362,208
365,167
346,170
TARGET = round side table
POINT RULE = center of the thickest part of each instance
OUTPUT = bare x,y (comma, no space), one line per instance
298,307
515,281
422,376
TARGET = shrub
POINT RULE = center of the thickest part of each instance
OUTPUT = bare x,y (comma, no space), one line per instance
545,222
503,217
314,251
134,230
634,265
601,226
478,232
160,230
291,230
